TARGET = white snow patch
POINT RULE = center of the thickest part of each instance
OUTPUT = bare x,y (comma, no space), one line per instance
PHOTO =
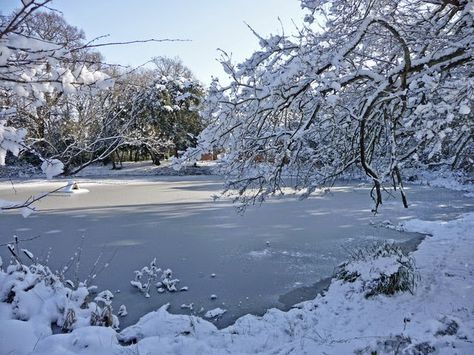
260,253
216,312
72,187
17,337
464,109
52,168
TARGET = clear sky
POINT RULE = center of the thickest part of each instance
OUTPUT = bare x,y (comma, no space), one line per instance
210,24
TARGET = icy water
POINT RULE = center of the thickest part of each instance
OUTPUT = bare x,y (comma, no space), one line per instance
274,255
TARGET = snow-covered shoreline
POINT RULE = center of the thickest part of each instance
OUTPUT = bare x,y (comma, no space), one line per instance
439,316
130,170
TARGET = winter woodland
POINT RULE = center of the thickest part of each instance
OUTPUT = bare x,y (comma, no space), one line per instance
369,97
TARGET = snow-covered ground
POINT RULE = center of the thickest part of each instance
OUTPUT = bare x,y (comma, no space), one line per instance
247,262
127,169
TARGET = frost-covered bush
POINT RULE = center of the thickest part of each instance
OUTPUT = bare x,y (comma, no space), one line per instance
167,282
145,277
380,269
149,275
398,344
33,291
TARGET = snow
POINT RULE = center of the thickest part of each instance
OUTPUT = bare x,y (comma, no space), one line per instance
145,169
139,221
52,168
122,312
27,211
17,337
73,188
438,315
86,340
464,109
368,271
163,324
27,2
10,138
260,253
341,321
324,77
213,313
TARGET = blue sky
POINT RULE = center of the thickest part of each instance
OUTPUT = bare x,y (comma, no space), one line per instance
210,24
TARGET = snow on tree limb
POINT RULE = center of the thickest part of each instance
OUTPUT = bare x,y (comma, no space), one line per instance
61,91
10,140
384,84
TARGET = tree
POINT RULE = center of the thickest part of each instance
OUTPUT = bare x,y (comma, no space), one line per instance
57,86
368,85
158,109
181,92
50,123
37,64
172,68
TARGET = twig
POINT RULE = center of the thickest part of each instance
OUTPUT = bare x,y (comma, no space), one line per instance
20,240
31,200
13,185
130,42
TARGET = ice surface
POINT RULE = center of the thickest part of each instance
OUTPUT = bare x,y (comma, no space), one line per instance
175,220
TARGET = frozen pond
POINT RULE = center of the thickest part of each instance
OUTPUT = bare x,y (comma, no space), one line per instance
259,259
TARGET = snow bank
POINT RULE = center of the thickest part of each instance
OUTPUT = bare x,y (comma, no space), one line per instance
17,337
445,178
87,340
147,168
165,325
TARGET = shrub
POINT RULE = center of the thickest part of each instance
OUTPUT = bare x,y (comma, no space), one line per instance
382,268
32,290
